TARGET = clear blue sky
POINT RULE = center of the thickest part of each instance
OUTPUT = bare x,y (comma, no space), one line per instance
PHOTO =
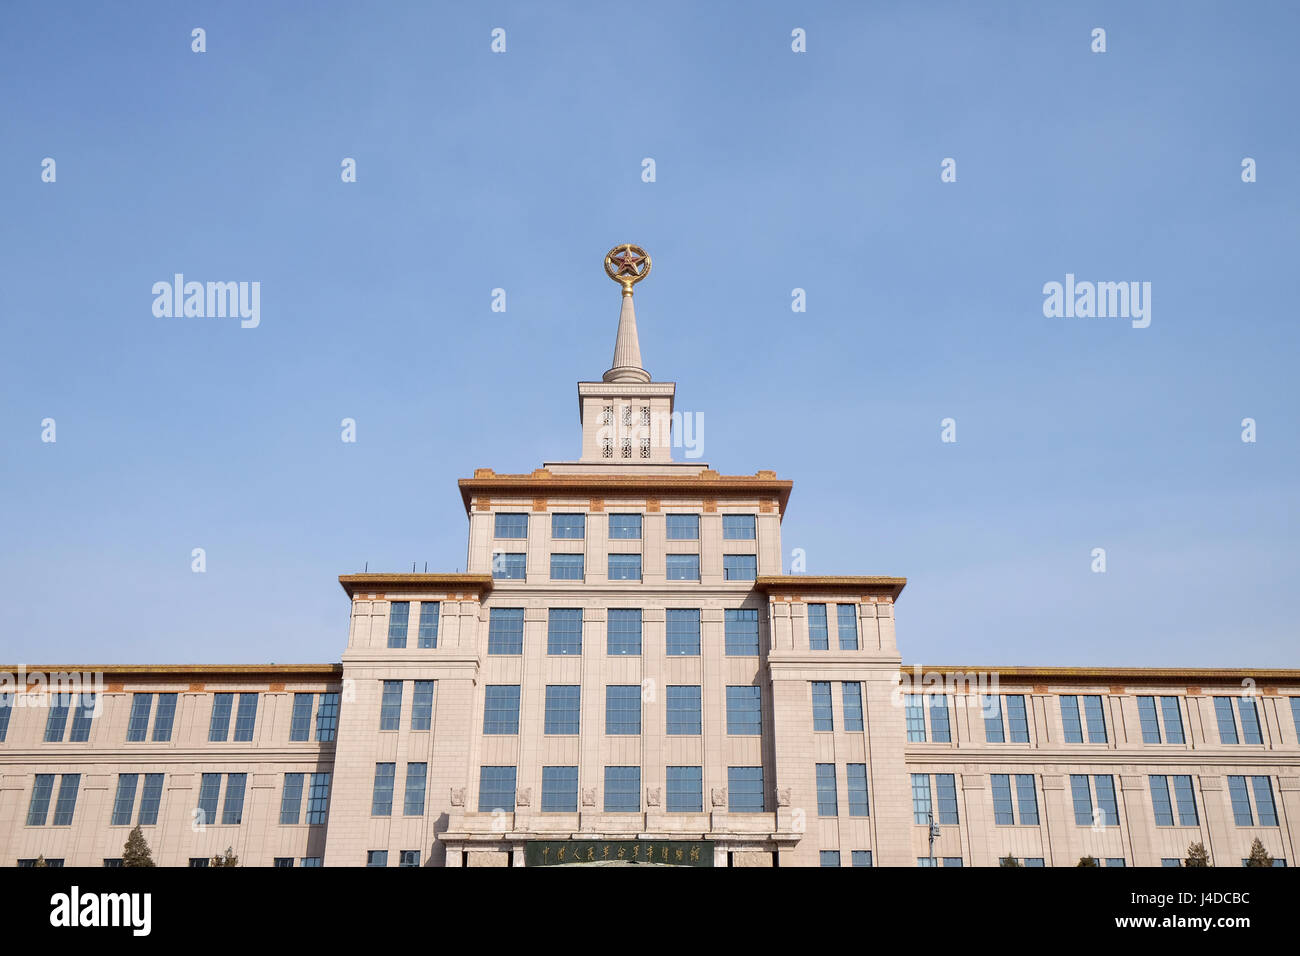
775,171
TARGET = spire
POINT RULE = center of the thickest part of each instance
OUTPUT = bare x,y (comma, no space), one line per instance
627,268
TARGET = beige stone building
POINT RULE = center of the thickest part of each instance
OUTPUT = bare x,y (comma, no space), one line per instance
625,673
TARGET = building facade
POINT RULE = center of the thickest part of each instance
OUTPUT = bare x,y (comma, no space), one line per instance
624,673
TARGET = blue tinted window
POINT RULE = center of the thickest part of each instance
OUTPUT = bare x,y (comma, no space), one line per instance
1262,786
82,717
501,709
1095,719
1241,814
625,526
162,724
381,805
506,630
390,706
1148,720
422,705
232,811
622,789
684,709
1017,720
1173,720
511,526
682,527
1105,785
624,631
741,626
509,567
1160,803
327,716
564,630
1082,799
376,858
991,708
38,810
151,799
559,789
945,788
744,711
1070,721
745,789
914,717
1227,725
685,790
209,791
861,857
1186,801
1003,814
1027,799
219,726
291,798
318,798
563,706
138,725
124,801
568,526
1249,721
823,716
67,800
623,709
246,717
739,567
625,567
416,776
852,692
427,636
738,527
300,722
399,616
858,803
496,789
939,727
846,616
921,806
827,805
818,635
683,567
566,567
56,722
683,631
830,857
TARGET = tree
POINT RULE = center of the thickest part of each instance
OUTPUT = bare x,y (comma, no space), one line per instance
1258,855
228,859
1088,861
1197,855
40,860
136,852
1008,861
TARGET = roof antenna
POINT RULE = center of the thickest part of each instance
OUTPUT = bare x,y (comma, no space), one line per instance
426,567
412,567
367,567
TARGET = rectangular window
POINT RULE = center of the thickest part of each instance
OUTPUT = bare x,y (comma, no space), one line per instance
1003,813
1173,720
38,810
623,709
1095,719
739,567
559,789
511,525
1070,720
150,800
952,861
413,804
1241,814
564,630
682,527
1082,797
376,858
312,861
427,635
509,567
623,635
685,790
1148,720
861,857
566,567
991,708
209,791
246,717
1027,799
124,802
1227,725
162,722
738,527
563,708
501,709
1160,802
1295,717
914,717
846,619
1185,798
829,857
1114,861
921,806
684,709
138,725
56,722
568,526
945,786
852,693
409,858
1017,720
381,803
1262,786
1250,732
744,711
219,725
1034,861
327,716
818,634
496,789
622,789
300,722
741,626
318,798
82,717
390,706
232,811
291,798
859,806
827,805
422,705
823,716
1105,787
506,630
683,631
745,790
625,527
940,730
683,567
399,616
625,567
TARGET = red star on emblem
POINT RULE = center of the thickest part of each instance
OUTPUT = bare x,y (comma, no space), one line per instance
628,261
